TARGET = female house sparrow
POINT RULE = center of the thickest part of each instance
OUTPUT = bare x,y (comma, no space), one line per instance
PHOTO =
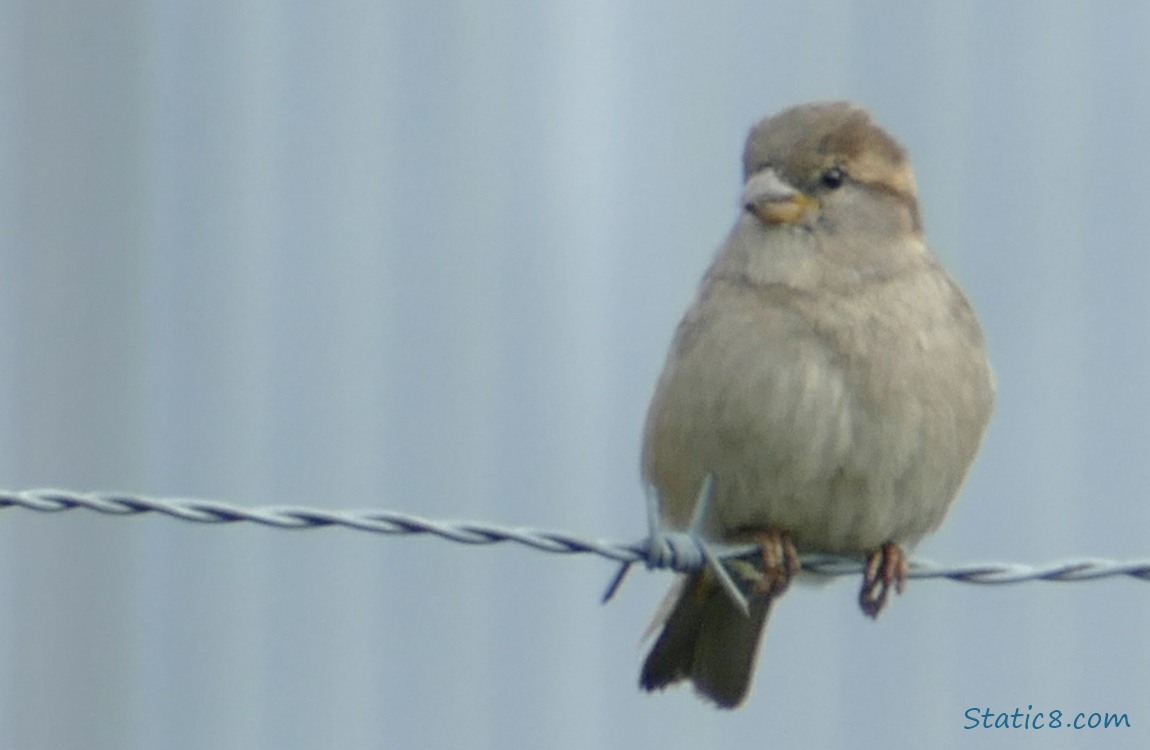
830,377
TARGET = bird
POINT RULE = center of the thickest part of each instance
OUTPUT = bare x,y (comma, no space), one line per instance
830,380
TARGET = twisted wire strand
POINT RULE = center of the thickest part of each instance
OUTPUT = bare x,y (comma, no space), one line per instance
395,523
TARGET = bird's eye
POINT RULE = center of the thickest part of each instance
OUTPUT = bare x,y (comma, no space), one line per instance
834,177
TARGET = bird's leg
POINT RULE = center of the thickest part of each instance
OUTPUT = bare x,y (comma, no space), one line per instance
886,568
780,561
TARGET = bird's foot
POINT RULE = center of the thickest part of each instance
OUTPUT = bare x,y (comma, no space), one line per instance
886,568
780,562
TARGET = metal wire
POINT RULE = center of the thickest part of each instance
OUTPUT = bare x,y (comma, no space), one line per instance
681,557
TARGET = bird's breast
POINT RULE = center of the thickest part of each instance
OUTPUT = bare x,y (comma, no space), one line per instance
829,417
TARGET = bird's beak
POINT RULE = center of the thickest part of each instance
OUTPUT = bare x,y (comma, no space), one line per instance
773,201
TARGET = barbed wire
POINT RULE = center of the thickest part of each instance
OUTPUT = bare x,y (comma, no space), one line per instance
676,556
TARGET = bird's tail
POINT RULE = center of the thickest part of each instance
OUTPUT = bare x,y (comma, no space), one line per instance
706,639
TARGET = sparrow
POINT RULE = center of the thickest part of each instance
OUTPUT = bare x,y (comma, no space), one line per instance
830,381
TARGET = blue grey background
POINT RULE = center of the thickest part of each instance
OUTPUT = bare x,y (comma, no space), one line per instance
428,257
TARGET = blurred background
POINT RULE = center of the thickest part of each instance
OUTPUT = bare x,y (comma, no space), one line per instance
428,257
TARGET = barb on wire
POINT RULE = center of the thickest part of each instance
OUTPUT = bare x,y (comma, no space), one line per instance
674,555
